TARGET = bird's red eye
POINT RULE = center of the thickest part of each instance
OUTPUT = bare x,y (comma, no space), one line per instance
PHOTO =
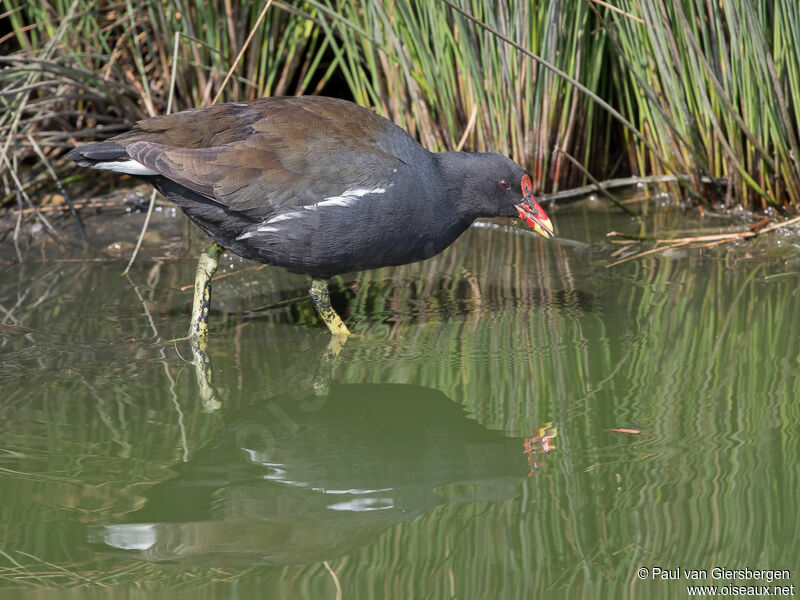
503,184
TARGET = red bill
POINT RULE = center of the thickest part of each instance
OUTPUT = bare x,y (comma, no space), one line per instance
530,211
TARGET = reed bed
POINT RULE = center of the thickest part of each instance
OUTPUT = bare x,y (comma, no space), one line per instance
721,92
75,70
454,85
703,91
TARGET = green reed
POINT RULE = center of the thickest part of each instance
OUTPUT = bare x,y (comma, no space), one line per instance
453,85
720,82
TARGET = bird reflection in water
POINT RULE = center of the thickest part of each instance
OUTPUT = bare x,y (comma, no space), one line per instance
308,476
302,479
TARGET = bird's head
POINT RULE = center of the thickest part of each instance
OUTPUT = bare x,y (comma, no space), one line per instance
501,188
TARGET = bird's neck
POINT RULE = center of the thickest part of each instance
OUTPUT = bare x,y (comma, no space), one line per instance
458,170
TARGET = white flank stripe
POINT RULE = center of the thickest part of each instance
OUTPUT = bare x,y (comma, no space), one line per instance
348,197
131,167
250,234
284,216
335,201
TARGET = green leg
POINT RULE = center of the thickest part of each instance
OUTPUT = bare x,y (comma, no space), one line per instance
322,302
198,328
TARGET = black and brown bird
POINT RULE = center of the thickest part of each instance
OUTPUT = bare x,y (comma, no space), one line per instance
316,185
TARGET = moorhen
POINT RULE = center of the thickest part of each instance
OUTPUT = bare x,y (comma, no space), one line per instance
317,185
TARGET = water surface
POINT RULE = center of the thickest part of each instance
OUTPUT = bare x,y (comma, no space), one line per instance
514,420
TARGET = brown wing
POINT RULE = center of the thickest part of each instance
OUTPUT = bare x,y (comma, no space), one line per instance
263,157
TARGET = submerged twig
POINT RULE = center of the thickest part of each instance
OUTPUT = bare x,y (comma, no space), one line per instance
142,232
645,253
228,274
704,241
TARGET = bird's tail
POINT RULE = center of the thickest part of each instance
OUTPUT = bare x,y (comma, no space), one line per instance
109,156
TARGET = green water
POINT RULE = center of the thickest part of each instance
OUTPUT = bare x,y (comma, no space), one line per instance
513,421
